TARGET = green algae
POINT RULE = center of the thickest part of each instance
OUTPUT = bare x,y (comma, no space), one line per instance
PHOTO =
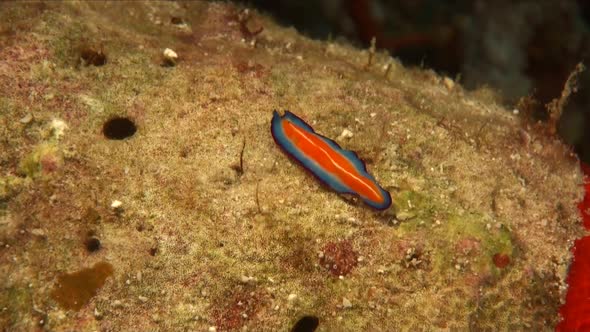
74,290
9,186
16,301
473,236
409,205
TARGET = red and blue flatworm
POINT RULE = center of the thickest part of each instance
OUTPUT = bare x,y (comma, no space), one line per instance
341,170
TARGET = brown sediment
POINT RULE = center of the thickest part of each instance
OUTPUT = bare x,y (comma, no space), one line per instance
74,290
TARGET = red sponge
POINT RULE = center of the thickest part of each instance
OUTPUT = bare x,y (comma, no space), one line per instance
576,310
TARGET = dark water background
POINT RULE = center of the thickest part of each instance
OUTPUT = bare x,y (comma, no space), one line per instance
520,48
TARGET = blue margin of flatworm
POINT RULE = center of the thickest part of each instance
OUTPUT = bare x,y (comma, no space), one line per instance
282,141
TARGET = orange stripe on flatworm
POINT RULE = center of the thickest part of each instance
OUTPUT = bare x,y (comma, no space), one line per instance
332,161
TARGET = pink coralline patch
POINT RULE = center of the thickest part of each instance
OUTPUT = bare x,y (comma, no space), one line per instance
237,310
467,246
23,53
576,310
49,163
501,260
244,67
339,258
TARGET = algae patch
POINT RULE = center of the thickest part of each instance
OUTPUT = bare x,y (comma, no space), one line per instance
9,186
43,160
74,290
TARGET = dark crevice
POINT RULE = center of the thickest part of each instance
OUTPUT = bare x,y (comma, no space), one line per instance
306,324
93,57
92,244
119,128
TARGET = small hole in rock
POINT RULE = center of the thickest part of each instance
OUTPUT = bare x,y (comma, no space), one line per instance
153,251
92,244
306,324
177,20
184,152
167,62
119,128
93,57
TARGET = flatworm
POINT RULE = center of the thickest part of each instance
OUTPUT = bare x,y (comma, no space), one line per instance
341,170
